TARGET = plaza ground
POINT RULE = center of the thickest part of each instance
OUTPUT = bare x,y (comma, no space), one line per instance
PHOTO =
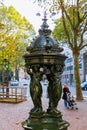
11,115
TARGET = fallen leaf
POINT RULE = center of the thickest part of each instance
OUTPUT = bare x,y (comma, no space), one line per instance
77,118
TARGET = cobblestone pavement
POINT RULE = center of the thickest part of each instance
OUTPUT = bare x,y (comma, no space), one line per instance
11,115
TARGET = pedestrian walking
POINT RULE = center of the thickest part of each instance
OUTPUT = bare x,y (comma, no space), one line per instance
65,91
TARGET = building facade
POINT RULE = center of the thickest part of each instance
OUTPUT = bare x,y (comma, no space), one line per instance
68,73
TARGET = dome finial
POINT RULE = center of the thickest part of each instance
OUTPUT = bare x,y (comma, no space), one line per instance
44,27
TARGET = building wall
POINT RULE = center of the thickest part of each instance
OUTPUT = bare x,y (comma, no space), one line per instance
68,74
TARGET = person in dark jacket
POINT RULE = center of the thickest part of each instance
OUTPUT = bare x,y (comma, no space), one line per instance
65,91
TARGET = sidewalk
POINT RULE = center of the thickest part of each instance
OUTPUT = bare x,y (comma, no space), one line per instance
11,115
76,118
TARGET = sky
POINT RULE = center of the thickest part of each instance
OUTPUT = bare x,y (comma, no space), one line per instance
29,10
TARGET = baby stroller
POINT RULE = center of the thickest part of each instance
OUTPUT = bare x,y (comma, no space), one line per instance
71,102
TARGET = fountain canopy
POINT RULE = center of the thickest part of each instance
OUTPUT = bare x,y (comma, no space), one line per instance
44,49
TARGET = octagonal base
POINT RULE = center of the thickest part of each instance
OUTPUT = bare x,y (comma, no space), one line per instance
45,122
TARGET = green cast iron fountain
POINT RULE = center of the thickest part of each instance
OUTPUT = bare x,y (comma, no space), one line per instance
44,57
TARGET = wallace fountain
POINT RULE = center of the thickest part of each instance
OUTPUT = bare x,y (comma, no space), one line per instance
44,56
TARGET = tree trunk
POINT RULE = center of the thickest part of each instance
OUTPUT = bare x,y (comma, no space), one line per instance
79,95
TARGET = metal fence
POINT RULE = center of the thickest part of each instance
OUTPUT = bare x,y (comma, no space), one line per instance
13,94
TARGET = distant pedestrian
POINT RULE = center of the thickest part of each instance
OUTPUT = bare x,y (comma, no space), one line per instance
65,91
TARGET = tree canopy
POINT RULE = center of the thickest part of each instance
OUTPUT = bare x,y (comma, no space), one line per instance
15,33
72,24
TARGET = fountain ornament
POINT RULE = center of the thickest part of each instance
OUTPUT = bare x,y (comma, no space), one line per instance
44,57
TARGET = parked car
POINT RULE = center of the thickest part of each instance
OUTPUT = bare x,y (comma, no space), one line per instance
14,83
45,82
84,86
24,82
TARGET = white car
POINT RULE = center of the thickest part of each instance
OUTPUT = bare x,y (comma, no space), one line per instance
14,83
84,85
24,82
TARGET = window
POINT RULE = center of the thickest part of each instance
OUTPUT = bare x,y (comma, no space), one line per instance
68,60
80,66
69,68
